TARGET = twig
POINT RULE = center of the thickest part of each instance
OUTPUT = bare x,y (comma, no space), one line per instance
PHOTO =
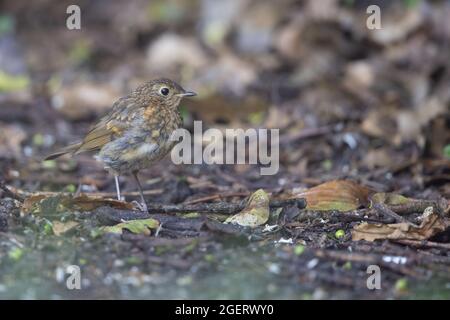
311,133
419,206
10,193
387,212
338,216
217,196
219,207
132,193
424,244
368,259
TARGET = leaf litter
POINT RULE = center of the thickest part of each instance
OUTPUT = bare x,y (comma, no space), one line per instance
363,121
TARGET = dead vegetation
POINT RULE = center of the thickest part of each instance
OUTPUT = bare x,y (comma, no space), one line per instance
364,151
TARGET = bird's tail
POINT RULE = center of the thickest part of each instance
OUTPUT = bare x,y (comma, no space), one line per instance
69,149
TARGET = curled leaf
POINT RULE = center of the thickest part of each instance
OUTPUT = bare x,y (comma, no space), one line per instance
135,226
341,195
432,223
255,213
389,198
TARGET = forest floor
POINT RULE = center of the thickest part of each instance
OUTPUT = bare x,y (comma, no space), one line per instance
364,154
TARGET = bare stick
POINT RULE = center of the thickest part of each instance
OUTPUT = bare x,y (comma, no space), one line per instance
219,207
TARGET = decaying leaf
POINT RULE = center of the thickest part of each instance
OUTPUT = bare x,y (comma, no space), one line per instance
341,195
54,204
255,213
389,198
431,224
62,227
135,226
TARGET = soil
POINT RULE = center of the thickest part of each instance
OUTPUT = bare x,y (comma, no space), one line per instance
350,105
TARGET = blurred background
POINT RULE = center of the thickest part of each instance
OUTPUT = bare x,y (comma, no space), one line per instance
370,105
348,101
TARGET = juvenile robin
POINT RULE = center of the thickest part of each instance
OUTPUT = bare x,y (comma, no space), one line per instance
136,132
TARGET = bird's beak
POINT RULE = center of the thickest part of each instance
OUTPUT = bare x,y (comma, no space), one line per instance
187,94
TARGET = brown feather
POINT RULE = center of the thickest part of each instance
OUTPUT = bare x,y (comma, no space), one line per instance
69,149
95,139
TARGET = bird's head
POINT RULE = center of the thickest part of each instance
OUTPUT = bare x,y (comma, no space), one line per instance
165,92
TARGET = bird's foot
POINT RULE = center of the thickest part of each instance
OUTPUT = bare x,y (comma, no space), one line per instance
142,206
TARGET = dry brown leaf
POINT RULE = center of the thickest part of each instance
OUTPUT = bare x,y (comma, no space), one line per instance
62,227
30,202
255,213
341,195
432,223
52,204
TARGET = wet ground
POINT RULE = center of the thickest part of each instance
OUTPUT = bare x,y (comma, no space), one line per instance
351,104
192,256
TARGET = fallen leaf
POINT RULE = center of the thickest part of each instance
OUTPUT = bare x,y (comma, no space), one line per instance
341,195
55,204
135,226
29,204
390,198
62,227
432,223
255,213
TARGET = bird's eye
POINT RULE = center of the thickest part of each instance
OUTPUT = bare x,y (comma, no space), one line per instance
164,91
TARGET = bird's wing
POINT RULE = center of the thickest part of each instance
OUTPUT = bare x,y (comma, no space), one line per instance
110,126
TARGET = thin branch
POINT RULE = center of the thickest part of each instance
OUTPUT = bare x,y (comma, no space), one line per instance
424,244
387,212
9,192
218,207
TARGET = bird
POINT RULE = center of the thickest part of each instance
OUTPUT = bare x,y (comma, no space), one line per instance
135,132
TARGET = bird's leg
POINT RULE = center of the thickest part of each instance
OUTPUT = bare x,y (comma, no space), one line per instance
78,192
143,206
116,178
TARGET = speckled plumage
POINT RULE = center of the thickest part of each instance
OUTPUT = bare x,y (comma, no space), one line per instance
135,132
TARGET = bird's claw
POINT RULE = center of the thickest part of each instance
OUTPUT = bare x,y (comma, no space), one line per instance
141,206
